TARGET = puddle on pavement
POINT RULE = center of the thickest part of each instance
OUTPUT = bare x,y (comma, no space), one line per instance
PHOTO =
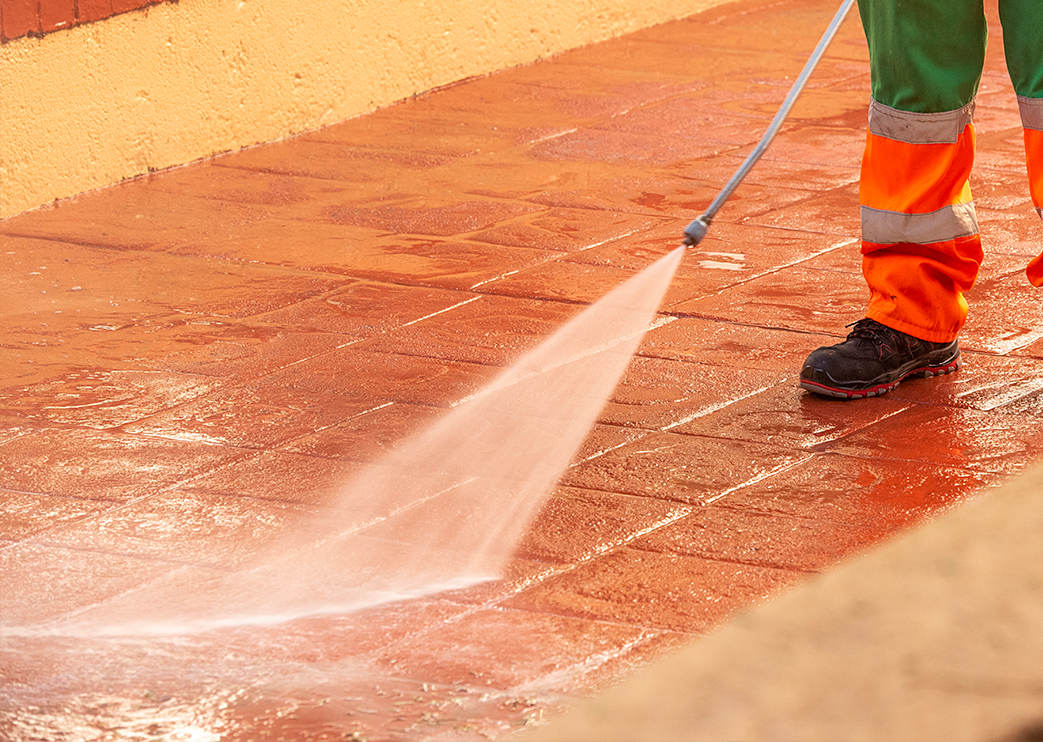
721,261
234,684
445,509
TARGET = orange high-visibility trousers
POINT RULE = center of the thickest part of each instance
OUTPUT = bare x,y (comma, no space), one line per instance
920,243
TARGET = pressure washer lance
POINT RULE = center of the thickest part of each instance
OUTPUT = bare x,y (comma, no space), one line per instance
694,232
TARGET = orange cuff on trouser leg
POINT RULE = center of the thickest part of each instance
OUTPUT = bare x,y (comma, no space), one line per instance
920,243
1034,156
918,289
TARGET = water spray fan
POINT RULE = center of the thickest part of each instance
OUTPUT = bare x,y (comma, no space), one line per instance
696,231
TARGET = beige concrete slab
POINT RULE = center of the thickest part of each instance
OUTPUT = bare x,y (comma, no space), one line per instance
936,635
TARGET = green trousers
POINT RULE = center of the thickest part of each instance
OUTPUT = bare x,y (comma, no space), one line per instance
926,56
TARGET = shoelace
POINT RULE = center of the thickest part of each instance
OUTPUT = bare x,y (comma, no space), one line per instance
881,336
869,329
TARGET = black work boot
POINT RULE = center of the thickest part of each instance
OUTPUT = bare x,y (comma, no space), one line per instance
873,360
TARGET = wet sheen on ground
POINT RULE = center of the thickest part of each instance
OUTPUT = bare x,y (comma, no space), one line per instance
194,359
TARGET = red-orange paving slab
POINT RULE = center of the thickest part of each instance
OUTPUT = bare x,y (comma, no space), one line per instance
193,363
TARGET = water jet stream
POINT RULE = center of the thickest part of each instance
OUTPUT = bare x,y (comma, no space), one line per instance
445,508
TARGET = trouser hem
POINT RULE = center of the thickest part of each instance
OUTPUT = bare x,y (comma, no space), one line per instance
931,336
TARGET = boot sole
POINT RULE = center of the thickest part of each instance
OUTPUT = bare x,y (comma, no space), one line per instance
883,388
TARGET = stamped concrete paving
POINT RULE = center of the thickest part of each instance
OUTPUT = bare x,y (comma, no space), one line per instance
193,359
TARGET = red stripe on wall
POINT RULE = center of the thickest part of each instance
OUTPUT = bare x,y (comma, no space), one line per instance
93,10
29,17
55,14
122,6
21,17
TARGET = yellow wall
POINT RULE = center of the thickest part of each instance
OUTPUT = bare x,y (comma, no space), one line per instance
87,107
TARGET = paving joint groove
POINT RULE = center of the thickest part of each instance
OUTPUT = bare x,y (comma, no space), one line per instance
725,560
288,310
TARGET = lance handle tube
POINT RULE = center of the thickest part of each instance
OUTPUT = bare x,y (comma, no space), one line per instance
694,232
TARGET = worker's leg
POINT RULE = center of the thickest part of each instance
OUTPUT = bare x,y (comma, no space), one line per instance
1023,43
920,243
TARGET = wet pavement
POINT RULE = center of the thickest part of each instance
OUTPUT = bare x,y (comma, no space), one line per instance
194,359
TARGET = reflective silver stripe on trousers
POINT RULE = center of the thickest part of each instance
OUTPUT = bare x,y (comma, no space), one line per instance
888,227
919,128
1031,112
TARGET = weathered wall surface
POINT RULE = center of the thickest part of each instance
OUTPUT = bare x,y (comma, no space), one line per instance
91,104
